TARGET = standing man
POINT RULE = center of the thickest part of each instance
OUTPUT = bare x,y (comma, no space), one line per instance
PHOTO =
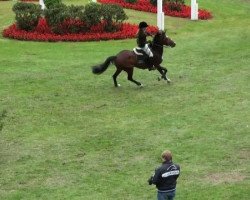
165,177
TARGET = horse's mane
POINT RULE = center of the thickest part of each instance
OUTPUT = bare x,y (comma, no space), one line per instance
157,37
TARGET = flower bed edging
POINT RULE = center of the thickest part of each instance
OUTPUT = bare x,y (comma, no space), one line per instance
43,33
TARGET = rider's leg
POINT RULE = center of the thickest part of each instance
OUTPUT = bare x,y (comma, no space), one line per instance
148,50
150,59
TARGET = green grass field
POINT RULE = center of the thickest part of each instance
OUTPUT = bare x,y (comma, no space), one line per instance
68,134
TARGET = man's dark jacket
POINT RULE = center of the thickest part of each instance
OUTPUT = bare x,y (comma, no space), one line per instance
165,176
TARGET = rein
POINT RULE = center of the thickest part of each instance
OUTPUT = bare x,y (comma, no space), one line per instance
160,45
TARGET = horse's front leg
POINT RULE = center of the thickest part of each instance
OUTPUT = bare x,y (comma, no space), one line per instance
163,71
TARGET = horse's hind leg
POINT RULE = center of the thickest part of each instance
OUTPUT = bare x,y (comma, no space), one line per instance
118,71
130,76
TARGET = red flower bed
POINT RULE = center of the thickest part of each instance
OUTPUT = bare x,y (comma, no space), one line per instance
145,5
43,33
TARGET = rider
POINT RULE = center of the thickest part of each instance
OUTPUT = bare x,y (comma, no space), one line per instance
142,43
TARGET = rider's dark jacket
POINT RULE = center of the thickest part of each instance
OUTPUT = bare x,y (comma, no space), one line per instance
165,176
142,38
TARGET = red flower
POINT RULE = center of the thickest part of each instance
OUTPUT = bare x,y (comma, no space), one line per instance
43,33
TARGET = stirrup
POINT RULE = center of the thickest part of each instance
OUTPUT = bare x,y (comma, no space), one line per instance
151,68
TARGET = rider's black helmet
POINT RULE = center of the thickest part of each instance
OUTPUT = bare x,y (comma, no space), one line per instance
143,25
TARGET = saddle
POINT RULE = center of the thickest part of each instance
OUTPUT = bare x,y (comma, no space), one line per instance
142,57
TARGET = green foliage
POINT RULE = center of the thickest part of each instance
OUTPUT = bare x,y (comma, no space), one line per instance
177,2
113,15
76,12
92,14
153,2
131,1
27,15
55,16
175,5
52,3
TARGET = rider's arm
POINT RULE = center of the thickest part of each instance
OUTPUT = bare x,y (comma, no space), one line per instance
149,34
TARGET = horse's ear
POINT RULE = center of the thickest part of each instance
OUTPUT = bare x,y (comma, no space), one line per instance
160,32
165,32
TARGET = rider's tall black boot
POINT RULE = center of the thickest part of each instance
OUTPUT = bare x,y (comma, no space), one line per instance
150,63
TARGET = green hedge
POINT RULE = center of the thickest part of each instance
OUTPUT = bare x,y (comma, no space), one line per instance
131,1
56,14
114,15
27,15
52,3
174,3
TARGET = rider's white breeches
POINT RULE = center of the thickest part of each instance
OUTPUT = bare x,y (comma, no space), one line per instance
147,50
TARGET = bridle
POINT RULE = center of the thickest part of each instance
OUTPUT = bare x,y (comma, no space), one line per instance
160,45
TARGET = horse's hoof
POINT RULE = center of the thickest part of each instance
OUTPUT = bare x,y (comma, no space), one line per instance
168,80
118,85
141,86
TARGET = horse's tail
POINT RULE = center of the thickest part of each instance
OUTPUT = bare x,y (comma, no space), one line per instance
98,69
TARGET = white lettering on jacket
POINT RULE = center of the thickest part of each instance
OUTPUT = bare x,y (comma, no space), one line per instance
171,173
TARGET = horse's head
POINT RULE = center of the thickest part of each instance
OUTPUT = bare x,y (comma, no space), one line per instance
162,39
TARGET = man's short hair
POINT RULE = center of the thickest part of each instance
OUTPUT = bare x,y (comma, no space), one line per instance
166,155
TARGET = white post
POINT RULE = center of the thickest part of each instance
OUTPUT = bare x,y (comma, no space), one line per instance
160,15
194,10
162,21
41,2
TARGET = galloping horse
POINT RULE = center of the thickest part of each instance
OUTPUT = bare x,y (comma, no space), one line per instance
126,60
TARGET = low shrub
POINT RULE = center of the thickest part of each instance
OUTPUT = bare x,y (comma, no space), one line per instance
175,5
27,15
171,2
153,2
76,14
52,3
92,14
131,1
55,16
64,19
113,15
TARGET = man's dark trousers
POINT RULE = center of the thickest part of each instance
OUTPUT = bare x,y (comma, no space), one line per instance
166,195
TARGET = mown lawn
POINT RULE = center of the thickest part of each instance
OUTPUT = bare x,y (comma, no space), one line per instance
68,134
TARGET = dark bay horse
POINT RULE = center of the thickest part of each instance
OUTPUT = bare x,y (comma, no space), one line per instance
126,60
